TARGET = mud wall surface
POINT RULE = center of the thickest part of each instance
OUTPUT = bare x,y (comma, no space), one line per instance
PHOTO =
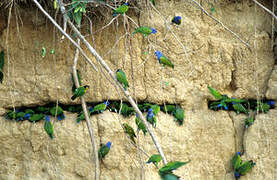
204,53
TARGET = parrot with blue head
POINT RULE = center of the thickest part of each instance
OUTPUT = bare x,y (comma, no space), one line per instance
145,30
60,117
121,9
101,107
163,60
236,161
244,169
176,20
271,103
122,79
26,116
151,117
104,150
48,127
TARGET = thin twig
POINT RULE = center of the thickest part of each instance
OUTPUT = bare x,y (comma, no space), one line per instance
66,35
110,72
126,93
84,106
225,27
267,10
64,16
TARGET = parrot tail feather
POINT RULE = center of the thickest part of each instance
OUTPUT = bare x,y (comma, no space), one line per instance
73,97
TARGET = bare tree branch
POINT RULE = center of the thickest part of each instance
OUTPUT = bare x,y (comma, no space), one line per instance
110,72
267,10
84,106
225,27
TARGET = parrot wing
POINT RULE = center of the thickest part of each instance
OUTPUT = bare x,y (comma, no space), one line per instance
215,93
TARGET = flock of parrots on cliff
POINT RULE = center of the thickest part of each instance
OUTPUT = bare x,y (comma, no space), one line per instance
223,101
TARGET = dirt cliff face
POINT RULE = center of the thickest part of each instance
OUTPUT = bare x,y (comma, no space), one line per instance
213,56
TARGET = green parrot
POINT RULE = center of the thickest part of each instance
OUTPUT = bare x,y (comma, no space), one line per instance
121,77
20,115
54,109
239,108
215,93
43,110
48,127
145,30
144,107
249,121
163,60
169,167
121,9
101,107
179,115
126,110
104,150
151,118
36,117
262,107
79,79
75,109
169,109
244,169
236,161
140,125
80,92
155,159
29,111
156,109
130,131
170,176
10,115
81,116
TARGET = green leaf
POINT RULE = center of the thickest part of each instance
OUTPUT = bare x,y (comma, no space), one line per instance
43,52
1,60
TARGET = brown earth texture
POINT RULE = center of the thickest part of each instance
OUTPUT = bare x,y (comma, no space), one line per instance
234,55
